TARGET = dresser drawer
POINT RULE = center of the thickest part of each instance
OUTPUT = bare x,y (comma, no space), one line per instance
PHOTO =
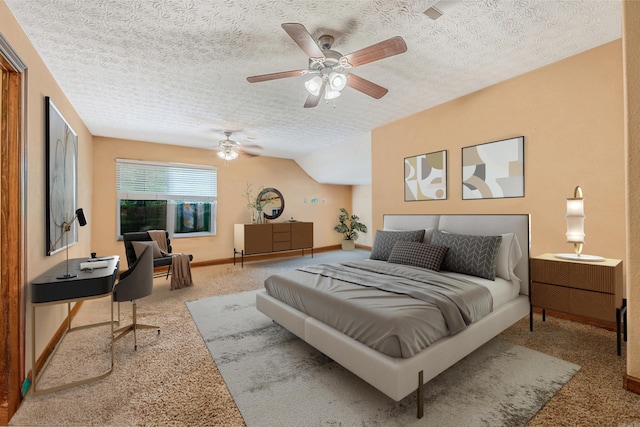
281,227
281,237
281,246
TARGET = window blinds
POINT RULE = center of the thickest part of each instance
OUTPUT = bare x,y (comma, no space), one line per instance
143,180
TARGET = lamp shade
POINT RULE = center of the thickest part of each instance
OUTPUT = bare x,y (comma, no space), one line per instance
313,85
331,94
337,81
575,220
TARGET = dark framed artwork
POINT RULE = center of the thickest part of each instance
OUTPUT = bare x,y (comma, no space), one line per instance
425,177
62,179
493,170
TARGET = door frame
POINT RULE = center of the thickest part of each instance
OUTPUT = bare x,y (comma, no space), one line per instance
12,229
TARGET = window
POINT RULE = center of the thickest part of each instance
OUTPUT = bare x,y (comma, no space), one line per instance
178,198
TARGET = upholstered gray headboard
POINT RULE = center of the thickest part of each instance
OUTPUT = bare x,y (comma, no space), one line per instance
478,225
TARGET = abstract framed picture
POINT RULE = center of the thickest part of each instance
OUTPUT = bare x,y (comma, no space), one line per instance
425,177
62,179
493,170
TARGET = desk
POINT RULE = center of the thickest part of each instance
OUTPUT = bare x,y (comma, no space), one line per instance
47,289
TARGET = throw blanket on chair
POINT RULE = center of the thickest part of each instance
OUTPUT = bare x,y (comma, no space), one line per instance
180,263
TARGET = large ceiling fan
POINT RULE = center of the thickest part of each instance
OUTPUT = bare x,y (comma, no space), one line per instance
331,69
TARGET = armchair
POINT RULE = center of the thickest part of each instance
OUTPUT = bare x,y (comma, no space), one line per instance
143,236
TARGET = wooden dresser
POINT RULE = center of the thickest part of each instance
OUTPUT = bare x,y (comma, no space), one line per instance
252,239
585,289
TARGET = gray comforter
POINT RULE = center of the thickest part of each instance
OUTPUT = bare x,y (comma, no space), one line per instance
395,309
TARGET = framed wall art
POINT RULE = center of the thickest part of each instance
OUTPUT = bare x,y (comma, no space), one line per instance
493,170
425,177
62,179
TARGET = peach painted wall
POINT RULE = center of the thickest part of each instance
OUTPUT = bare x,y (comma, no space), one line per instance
298,189
40,83
571,116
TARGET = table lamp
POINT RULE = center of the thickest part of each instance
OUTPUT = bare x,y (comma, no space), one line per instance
66,227
575,228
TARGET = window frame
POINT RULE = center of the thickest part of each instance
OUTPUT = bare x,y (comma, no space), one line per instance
172,199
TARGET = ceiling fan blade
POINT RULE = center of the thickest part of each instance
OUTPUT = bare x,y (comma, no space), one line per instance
274,76
313,100
301,36
390,47
365,86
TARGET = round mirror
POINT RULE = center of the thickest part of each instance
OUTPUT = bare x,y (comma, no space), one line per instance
273,209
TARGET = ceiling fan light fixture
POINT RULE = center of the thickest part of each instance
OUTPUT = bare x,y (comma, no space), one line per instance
331,94
313,85
337,81
228,154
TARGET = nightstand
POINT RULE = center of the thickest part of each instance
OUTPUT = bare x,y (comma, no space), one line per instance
585,289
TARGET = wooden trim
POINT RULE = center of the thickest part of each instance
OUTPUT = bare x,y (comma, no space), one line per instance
261,257
12,167
631,384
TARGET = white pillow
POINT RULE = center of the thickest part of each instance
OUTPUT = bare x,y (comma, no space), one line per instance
509,253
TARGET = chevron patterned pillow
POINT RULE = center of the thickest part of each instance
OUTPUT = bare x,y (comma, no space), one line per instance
385,240
473,255
418,255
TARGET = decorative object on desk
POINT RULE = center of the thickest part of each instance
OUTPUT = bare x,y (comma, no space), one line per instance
62,178
575,228
493,170
425,177
349,226
66,227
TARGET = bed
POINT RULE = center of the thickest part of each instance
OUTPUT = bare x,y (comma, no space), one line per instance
395,369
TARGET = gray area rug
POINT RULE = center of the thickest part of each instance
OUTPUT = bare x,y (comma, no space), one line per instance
278,380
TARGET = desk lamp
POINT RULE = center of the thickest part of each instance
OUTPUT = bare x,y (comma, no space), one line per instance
66,227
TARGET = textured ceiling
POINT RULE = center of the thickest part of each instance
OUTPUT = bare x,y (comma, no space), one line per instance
175,71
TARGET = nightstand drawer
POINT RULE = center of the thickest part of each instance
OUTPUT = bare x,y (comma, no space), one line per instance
594,305
550,297
546,271
592,277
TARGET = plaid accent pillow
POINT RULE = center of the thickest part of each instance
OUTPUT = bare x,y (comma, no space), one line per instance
385,240
418,255
473,255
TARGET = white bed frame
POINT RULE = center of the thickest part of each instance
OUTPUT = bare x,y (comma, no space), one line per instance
396,377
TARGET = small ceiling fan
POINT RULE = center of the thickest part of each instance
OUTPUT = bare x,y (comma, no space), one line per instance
331,69
229,149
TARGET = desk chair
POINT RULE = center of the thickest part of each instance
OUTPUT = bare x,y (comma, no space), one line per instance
133,284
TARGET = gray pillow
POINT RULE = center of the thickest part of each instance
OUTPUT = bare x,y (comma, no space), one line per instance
418,255
473,255
385,240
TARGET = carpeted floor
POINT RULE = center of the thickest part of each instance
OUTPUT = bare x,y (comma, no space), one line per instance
172,381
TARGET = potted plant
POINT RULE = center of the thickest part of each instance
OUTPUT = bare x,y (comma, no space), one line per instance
256,203
349,226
